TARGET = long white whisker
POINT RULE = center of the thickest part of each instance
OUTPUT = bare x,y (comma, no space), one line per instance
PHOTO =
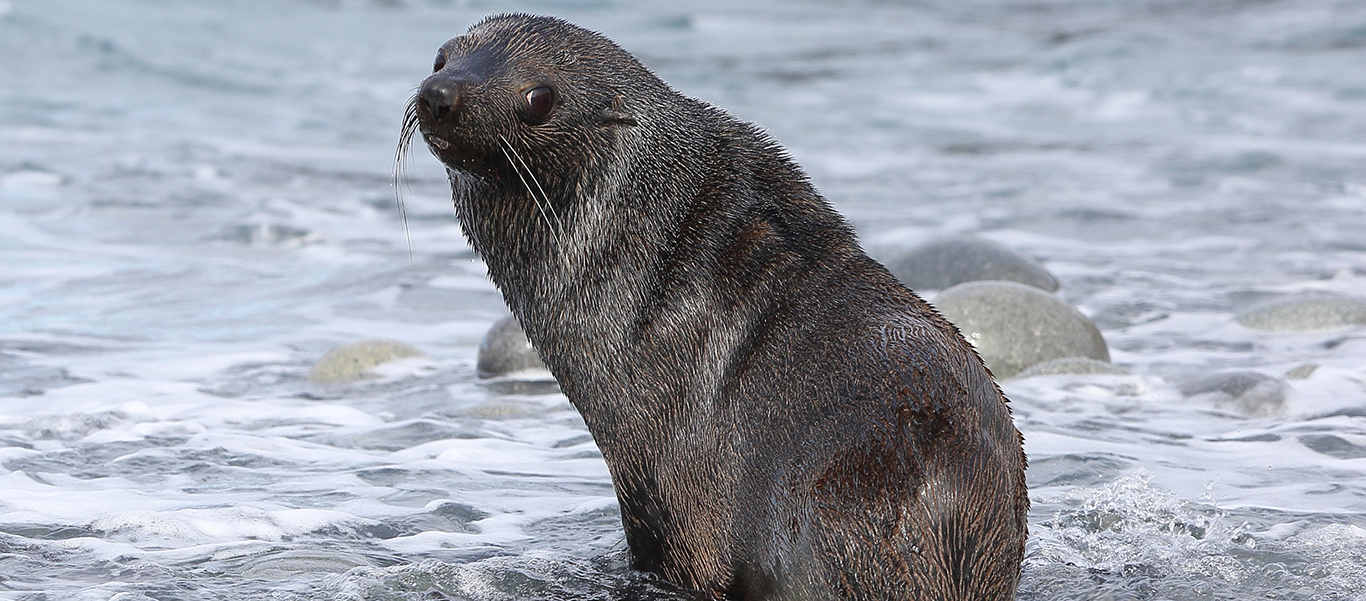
405,140
536,201
532,175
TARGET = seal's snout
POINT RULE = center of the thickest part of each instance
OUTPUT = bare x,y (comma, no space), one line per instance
441,97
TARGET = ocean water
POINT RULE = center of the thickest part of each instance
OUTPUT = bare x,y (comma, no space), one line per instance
196,203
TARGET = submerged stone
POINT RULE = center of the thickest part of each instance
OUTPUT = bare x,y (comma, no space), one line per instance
354,361
1071,365
1247,392
1305,313
1302,372
946,262
505,349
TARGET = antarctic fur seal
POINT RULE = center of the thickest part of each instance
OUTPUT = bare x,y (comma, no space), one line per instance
781,418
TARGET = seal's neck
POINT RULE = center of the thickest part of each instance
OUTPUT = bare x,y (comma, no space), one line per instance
675,244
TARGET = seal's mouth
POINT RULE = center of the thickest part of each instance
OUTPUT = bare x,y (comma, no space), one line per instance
453,149
435,140
460,158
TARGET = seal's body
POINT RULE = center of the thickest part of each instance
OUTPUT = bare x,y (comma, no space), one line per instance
781,418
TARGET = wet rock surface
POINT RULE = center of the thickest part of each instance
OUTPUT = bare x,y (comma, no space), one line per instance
506,350
351,362
1302,372
1014,326
943,263
1071,365
1246,392
1305,313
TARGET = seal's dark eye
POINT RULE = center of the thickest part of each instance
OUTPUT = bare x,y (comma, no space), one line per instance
440,62
539,101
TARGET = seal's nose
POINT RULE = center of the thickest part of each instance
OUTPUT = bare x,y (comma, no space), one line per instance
441,96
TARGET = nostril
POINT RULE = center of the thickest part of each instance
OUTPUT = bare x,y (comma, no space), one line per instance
441,97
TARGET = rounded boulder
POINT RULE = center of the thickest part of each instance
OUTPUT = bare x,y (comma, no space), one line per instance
505,350
1014,326
947,262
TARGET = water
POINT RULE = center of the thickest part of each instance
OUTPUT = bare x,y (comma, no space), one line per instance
195,204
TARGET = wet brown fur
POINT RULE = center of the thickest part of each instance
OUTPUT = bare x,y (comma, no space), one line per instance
781,418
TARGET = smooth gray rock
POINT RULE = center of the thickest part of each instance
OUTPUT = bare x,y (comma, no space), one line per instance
943,263
354,361
505,349
1015,326
1302,372
287,564
1071,365
1305,313
1332,446
1247,392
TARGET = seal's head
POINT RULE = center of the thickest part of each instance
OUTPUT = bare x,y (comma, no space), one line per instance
522,93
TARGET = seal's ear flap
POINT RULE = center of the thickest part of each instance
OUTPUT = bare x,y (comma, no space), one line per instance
617,113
